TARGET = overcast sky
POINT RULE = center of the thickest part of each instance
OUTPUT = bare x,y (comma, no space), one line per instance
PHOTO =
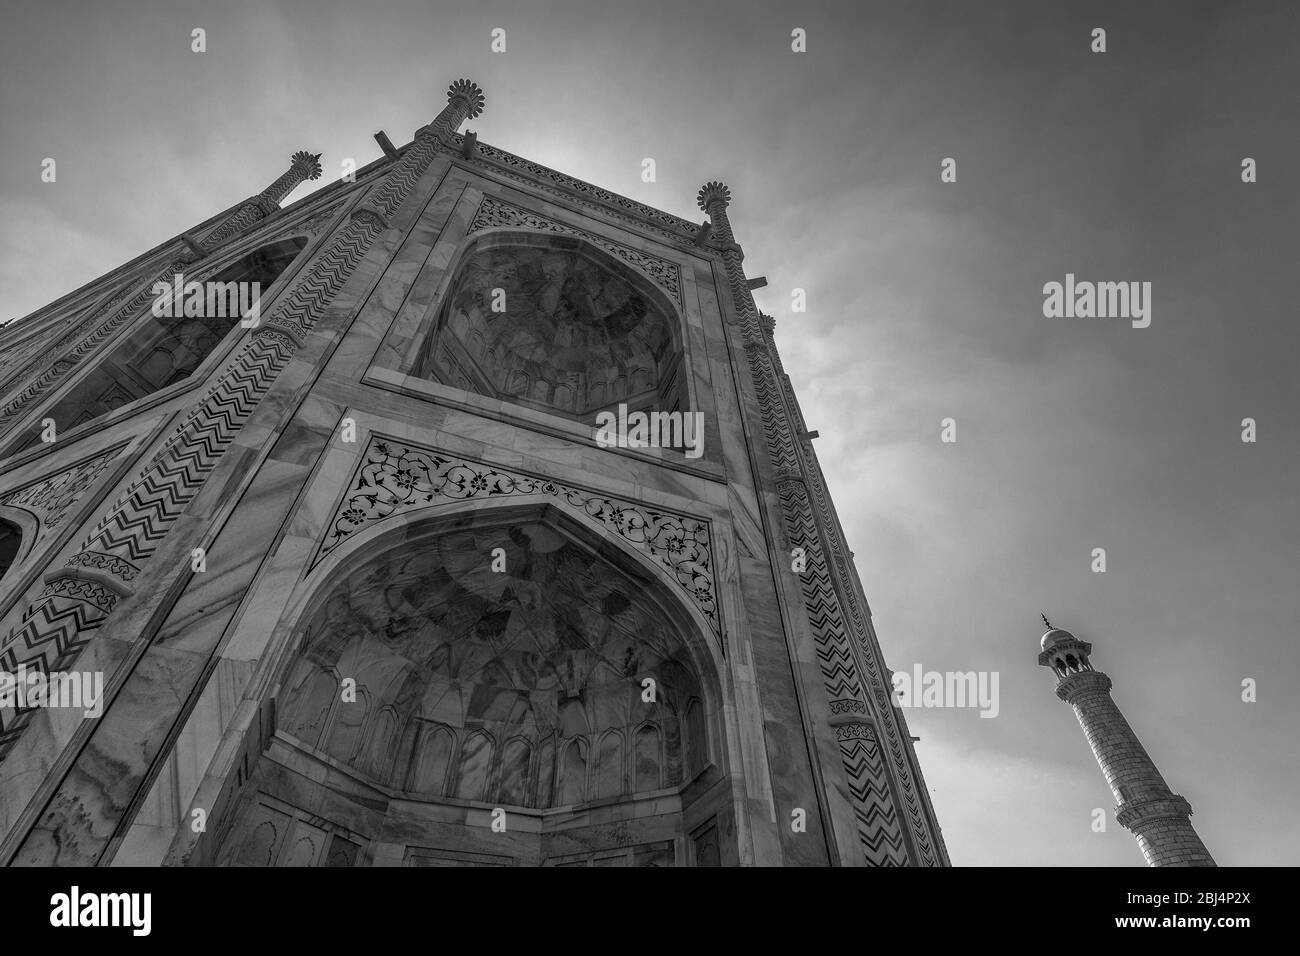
924,302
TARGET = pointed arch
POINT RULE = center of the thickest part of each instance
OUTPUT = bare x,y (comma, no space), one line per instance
519,689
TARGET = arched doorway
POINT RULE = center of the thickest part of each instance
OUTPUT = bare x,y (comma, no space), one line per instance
505,690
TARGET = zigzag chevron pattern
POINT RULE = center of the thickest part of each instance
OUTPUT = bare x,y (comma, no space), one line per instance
880,833
137,525
833,649
316,290
247,215
878,830
878,690
397,185
54,631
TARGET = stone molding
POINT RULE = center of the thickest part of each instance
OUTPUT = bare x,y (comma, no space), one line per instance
397,476
496,212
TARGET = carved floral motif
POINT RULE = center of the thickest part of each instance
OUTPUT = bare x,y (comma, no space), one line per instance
395,476
50,497
494,212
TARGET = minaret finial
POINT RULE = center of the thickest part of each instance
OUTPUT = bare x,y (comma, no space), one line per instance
471,93
711,192
308,164
1046,621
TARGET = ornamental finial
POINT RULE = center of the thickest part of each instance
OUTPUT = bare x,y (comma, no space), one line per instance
472,94
712,192
307,163
1047,622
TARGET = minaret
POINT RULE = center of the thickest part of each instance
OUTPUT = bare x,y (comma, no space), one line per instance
1144,803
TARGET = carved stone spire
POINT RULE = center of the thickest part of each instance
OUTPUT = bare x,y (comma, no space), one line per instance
465,100
714,198
303,166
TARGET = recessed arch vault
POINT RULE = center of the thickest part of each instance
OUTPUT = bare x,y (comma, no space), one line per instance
554,322
500,656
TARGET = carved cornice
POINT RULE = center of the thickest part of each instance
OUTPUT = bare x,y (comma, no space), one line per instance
93,593
118,567
1082,684
848,705
856,730
1142,813
509,166
399,477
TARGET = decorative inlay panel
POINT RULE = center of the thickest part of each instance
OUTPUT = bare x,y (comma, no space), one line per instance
495,212
396,476
315,223
672,230
539,171
49,498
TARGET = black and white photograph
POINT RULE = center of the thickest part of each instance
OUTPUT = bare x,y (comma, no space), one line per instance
743,433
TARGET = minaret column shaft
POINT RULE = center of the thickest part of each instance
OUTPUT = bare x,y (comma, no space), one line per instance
1129,771
1144,804
303,166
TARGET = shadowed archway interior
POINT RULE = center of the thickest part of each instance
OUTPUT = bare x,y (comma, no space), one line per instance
503,665
556,325
163,350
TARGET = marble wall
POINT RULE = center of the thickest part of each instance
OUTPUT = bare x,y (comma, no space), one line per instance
412,778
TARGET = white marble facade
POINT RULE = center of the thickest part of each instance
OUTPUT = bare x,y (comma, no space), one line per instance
430,602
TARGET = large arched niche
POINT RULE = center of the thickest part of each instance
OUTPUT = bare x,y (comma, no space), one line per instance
574,330
521,689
